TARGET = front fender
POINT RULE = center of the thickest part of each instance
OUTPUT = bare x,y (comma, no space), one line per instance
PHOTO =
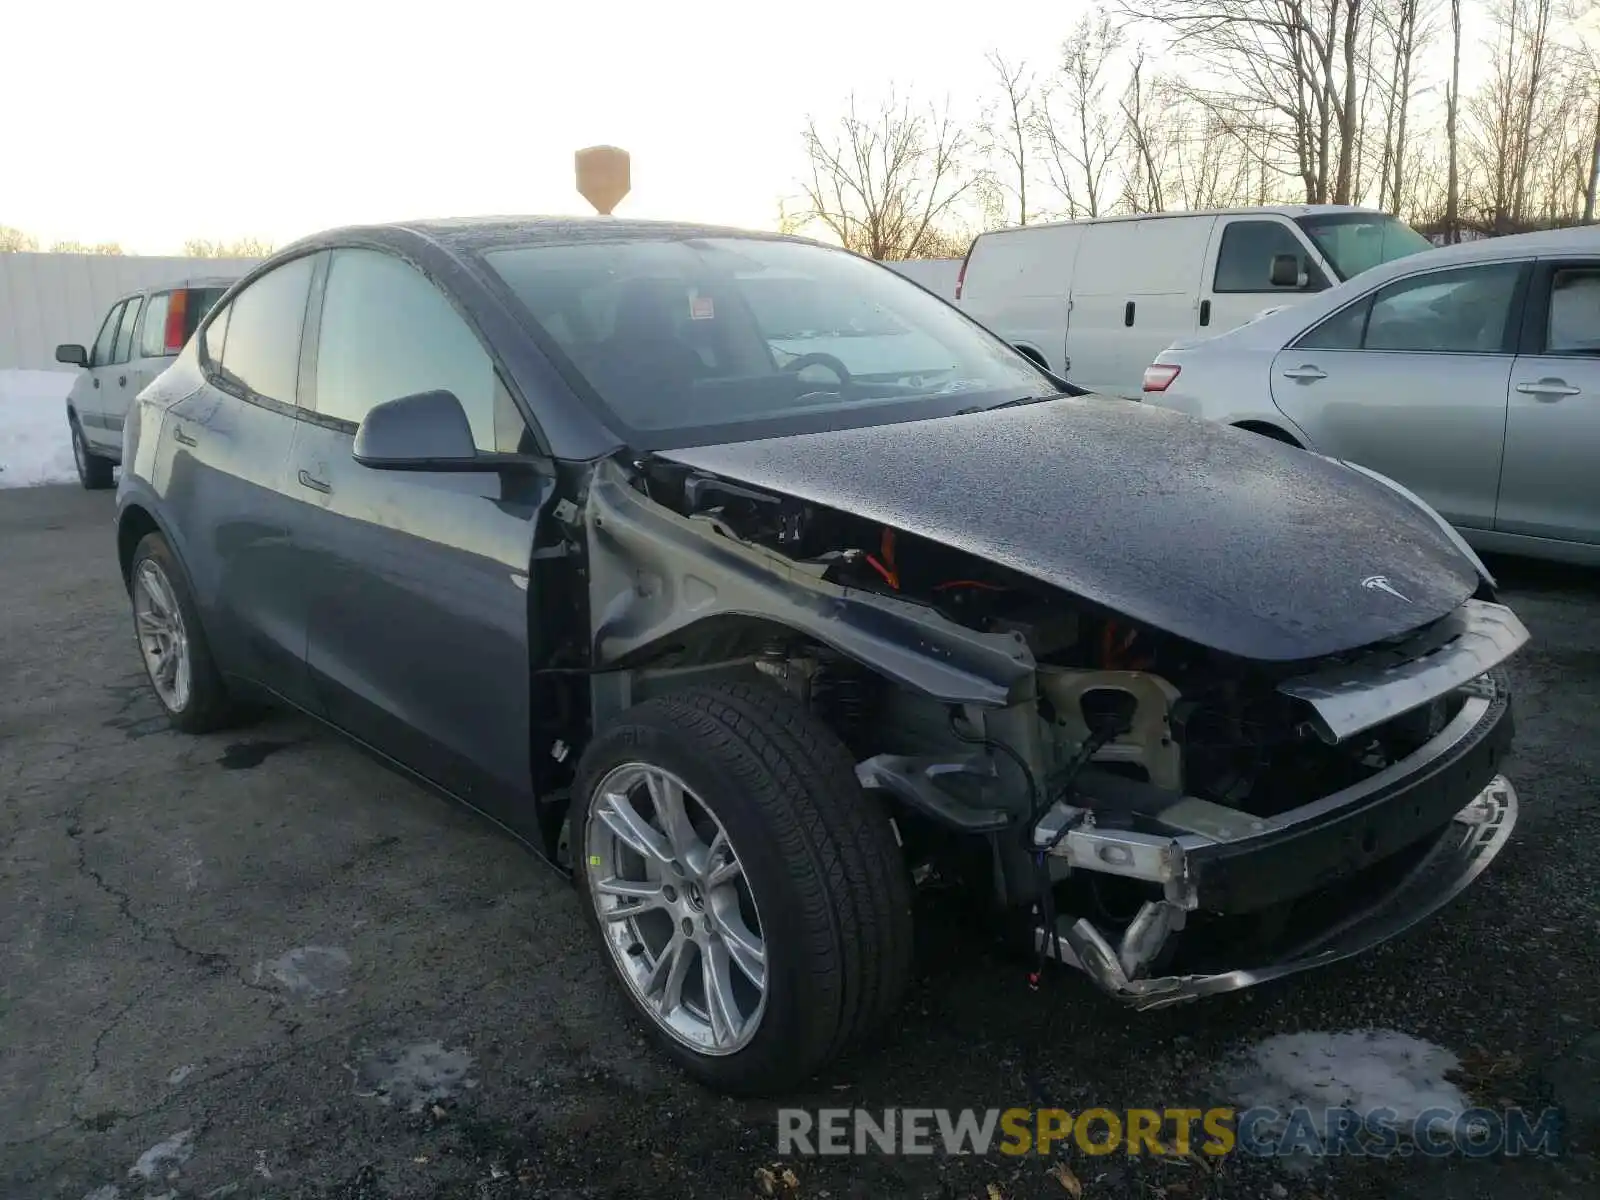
653,574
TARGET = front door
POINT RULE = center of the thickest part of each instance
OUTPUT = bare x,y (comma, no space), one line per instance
1410,380
1549,487
419,625
1238,278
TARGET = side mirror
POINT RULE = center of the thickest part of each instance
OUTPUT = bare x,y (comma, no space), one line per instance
1286,271
425,432
73,354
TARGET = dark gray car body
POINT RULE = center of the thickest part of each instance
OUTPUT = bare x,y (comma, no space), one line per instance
471,626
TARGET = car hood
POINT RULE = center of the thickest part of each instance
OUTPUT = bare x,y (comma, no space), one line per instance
1224,538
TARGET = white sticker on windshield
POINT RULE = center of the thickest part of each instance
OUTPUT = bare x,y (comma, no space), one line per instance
701,308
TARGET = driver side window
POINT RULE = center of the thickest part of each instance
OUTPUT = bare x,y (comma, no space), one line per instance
388,332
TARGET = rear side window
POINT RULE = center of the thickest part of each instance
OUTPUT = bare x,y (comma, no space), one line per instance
126,330
264,322
1244,259
1574,322
153,334
106,342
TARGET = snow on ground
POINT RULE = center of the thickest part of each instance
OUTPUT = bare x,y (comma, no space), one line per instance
34,444
1362,1070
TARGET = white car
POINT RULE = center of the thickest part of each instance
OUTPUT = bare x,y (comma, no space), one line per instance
1469,374
139,338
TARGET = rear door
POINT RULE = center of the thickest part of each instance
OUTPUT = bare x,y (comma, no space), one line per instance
89,393
227,447
1411,380
1549,486
118,379
1238,276
419,632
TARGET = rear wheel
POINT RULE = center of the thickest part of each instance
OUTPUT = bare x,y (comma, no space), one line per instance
177,659
749,895
94,472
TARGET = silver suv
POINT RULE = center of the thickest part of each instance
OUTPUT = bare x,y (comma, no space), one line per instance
141,334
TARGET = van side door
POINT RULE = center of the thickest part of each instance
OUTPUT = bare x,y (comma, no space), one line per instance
1237,283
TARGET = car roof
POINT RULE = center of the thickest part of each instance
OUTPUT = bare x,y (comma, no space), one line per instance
476,235
1253,210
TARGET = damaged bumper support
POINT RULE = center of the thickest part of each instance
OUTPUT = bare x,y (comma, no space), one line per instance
1444,811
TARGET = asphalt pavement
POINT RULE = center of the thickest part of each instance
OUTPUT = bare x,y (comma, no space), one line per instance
258,964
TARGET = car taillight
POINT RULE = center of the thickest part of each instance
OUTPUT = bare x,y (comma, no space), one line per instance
177,309
961,275
1158,377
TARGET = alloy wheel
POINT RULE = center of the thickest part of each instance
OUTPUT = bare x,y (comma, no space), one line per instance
675,908
163,640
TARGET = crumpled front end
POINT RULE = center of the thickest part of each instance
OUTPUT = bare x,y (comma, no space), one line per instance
1233,899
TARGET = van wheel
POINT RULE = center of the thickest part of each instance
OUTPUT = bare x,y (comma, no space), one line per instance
94,472
750,896
177,659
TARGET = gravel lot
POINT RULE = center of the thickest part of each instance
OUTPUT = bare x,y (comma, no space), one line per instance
258,964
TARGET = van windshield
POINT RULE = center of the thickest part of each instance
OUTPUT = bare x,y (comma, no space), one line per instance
690,341
1357,242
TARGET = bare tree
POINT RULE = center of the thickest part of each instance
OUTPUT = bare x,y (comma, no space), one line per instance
1075,123
1511,113
245,247
1005,140
1406,27
1142,113
74,247
13,241
1285,78
884,185
1452,209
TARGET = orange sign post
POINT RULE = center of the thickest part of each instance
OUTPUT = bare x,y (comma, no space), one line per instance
602,173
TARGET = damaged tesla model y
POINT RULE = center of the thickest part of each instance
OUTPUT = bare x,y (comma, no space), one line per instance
753,585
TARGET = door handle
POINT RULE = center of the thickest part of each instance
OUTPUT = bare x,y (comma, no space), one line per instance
1127,313
97,381
179,435
307,479
122,381
1205,312
1548,389
1306,373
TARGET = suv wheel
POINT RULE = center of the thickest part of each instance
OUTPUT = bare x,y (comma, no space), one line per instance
176,657
94,472
750,896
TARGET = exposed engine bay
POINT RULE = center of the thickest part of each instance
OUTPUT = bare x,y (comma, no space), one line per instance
1121,784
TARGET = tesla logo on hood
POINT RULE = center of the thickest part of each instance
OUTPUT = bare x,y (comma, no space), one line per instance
1380,583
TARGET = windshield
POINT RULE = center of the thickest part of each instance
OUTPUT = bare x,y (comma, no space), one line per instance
687,342
1357,242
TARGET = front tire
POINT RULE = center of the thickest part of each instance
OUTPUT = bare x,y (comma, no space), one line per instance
172,645
94,472
749,895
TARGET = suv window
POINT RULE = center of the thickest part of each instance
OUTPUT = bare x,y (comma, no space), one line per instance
388,332
107,338
1244,259
263,326
125,331
1460,311
153,335
1574,323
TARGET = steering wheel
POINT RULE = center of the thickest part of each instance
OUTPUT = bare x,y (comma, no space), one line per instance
795,365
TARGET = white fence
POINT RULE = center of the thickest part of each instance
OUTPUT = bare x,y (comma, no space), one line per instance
47,299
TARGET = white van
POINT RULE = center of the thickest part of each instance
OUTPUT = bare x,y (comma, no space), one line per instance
1096,301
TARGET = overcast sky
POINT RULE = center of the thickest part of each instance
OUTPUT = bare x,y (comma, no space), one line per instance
154,122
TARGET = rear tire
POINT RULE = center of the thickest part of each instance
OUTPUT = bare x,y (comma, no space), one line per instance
172,645
822,875
94,472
